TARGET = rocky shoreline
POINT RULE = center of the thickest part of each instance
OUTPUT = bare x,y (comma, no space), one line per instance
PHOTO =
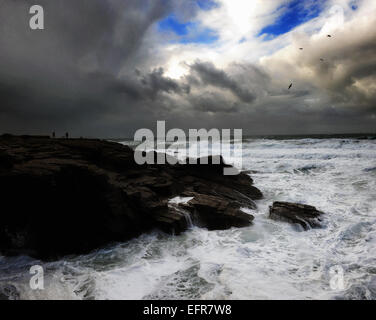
70,196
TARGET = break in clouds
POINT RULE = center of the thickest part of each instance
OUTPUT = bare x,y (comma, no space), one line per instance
109,67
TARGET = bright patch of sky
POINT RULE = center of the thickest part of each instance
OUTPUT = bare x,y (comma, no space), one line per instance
354,5
228,31
293,14
187,32
171,23
207,4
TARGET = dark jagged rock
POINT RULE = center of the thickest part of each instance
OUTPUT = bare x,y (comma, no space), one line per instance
304,215
9,292
67,196
216,213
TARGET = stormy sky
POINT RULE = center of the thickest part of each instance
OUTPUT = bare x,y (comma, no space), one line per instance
106,68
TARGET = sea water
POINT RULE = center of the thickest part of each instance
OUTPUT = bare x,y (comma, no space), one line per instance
268,260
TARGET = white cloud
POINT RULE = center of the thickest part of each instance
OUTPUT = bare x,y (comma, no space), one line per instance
235,20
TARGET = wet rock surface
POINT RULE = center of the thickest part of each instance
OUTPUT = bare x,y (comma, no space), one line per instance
69,196
304,215
216,212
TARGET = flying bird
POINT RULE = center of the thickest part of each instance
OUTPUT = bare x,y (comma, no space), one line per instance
329,36
321,59
301,48
290,86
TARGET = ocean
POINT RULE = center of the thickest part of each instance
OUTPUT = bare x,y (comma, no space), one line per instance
268,260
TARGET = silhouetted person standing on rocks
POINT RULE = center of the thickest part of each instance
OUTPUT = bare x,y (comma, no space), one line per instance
53,135
67,135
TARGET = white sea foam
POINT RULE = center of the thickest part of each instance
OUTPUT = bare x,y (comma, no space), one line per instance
268,260
179,200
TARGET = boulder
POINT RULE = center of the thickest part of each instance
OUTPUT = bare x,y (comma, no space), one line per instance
216,213
304,215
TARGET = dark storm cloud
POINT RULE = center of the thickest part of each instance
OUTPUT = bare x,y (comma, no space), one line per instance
155,82
69,72
357,65
141,87
209,74
210,102
344,66
96,70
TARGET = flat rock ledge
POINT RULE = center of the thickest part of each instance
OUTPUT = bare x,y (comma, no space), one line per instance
70,196
306,216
